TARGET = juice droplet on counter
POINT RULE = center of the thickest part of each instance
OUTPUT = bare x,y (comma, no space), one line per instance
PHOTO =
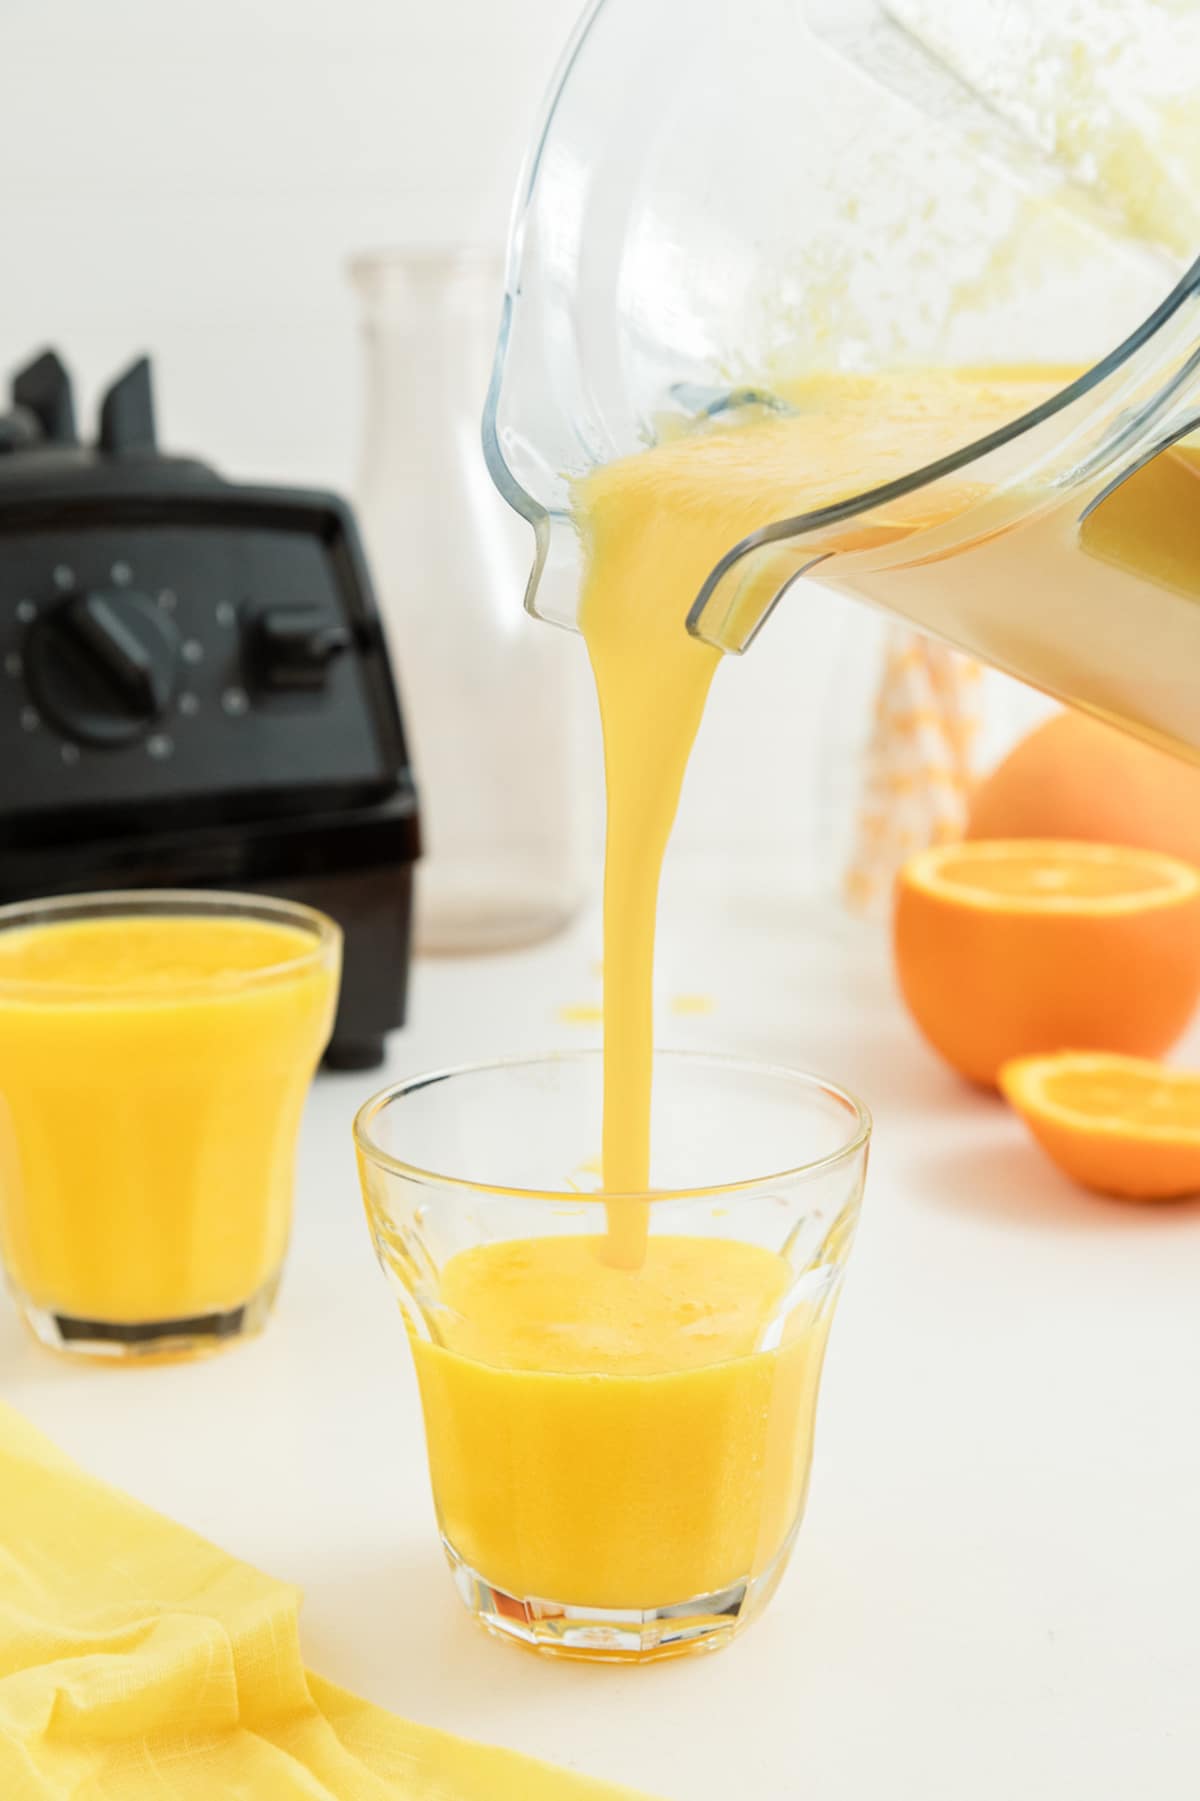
581,1013
684,1004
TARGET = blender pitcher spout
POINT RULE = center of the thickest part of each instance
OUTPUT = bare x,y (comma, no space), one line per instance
1069,454
1063,549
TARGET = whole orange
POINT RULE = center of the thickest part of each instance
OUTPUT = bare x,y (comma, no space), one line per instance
1076,778
1018,947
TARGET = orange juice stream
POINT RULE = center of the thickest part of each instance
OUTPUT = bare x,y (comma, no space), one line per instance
654,525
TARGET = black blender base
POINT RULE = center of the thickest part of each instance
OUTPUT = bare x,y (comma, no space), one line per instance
354,1053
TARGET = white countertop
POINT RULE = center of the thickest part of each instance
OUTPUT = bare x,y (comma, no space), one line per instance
995,1592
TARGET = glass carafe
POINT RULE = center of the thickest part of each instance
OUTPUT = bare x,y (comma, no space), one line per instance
488,698
775,197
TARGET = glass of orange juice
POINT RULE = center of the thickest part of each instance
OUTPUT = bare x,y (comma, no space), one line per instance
155,1053
619,1455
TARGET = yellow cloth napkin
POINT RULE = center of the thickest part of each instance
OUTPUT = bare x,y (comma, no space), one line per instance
140,1663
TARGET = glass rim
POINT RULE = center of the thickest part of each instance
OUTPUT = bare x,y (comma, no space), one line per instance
166,903
371,1109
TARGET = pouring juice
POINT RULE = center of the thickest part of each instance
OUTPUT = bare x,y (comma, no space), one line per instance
588,1448
694,1450
758,204
654,525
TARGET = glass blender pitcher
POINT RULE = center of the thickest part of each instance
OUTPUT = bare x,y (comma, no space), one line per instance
725,196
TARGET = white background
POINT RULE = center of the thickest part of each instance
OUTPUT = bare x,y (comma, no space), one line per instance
191,178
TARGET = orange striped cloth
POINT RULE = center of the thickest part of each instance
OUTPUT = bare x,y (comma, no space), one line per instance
919,763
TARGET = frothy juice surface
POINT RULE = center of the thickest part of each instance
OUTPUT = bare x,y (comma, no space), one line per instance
152,1073
618,1438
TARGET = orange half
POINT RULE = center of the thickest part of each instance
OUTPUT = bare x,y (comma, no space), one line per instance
1119,1125
1022,946
1052,876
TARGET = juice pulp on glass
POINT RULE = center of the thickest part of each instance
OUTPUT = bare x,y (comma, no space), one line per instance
618,1438
152,1074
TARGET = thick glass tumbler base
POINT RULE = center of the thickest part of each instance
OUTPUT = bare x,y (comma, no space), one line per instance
617,1635
193,1335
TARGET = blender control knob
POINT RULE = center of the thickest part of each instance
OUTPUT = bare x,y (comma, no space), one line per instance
102,666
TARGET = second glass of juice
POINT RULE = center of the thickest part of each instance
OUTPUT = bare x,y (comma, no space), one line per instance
619,1450
155,1053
